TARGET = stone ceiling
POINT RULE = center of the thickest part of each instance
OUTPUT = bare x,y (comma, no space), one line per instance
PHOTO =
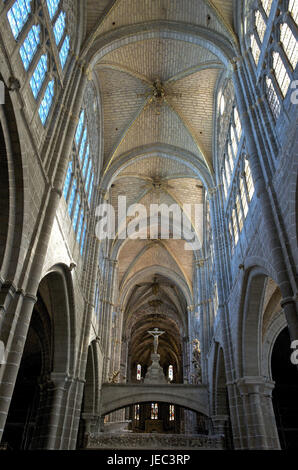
157,92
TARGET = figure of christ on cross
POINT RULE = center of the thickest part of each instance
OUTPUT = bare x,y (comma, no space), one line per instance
156,333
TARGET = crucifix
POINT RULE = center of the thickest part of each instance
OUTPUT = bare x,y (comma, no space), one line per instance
156,333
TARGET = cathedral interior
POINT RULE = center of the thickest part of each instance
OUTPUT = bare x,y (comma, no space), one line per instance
136,337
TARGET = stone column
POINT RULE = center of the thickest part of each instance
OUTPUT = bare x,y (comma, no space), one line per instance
258,412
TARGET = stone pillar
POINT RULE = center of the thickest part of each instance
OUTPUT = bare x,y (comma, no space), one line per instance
258,412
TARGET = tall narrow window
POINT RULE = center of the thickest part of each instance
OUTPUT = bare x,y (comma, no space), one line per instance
63,54
76,212
249,181
29,47
46,103
267,4
90,190
80,127
172,413
260,25
52,7
72,196
83,239
281,74
289,44
235,227
18,16
80,226
59,27
272,98
243,197
67,180
39,74
255,49
83,143
139,372
137,412
239,213
237,123
154,411
293,9
171,373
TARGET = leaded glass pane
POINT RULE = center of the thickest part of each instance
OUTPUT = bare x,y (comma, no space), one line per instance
83,238
272,98
267,4
281,74
90,189
85,162
83,143
52,7
59,27
255,49
88,176
293,9
260,25
63,54
39,74
29,46
80,226
80,127
18,16
76,212
289,44
46,103
67,180
72,196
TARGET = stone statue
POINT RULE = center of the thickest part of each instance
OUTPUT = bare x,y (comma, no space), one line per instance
155,333
196,354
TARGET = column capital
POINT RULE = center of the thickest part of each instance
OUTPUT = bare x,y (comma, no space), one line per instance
255,385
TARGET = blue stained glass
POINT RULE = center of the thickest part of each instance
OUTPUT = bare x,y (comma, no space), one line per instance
46,103
83,143
29,46
18,16
59,27
72,196
83,238
76,212
63,54
88,176
39,74
52,7
67,180
80,127
86,162
90,190
80,226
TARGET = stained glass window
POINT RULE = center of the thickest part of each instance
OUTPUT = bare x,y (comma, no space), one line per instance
80,226
83,143
281,74
72,196
90,189
139,371
172,413
80,127
86,161
267,4
18,16
76,212
154,411
272,98
255,49
137,412
293,9
59,27
39,74
260,25
249,180
67,180
46,103
29,46
52,7
63,54
83,238
289,43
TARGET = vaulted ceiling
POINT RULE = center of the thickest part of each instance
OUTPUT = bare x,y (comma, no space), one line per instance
157,72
